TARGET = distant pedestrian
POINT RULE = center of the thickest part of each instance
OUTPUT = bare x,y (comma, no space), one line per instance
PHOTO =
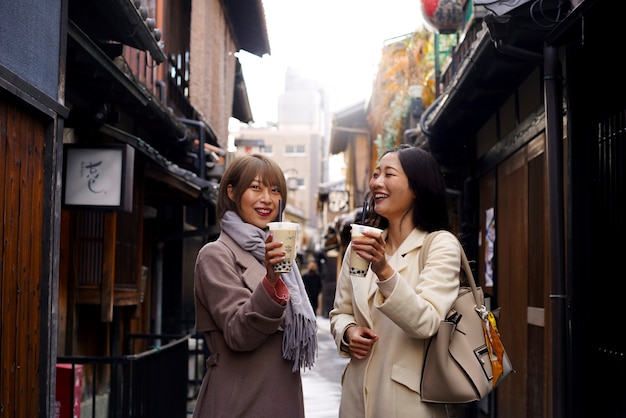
313,284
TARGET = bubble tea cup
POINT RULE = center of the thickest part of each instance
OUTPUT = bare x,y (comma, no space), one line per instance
287,233
358,265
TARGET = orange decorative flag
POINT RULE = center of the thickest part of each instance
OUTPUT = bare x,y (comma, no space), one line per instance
494,346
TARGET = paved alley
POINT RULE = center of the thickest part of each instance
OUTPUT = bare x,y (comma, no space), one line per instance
322,387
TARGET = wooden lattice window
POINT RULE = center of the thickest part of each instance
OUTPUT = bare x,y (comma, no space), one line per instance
108,258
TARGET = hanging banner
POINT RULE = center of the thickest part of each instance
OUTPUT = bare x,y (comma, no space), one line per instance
490,242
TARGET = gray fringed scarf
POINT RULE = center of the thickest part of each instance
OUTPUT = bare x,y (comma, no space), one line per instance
300,336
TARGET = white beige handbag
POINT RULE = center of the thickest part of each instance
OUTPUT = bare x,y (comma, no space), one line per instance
465,360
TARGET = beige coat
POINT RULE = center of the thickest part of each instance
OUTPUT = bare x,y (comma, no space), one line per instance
246,376
387,383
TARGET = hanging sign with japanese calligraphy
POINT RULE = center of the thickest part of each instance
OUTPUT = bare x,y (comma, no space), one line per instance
98,176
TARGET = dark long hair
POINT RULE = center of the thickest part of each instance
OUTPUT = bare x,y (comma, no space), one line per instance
430,207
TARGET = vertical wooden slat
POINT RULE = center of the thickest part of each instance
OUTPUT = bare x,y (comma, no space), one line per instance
34,219
511,278
108,267
10,338
23,249
21,204
3,164
66,282
26,201
539,336
4,331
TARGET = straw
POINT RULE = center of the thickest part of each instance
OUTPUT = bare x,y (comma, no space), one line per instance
363,211
280,210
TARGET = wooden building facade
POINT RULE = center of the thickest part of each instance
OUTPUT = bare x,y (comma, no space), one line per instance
538,140
79,279
531,139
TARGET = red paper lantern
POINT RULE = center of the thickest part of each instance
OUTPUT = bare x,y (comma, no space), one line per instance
445,16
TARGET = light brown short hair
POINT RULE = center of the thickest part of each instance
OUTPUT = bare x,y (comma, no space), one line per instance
241,173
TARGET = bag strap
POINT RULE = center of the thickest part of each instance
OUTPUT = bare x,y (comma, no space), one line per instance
465,266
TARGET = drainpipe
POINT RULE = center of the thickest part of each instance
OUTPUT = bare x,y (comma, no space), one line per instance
561,352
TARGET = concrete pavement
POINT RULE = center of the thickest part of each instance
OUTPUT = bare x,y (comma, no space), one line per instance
322,384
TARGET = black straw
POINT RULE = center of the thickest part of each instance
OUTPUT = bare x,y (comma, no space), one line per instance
363,211
280,210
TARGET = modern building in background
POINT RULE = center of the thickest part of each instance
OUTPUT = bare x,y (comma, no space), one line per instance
299,142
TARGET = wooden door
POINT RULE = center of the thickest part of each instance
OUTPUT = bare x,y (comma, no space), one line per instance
22,139
517,192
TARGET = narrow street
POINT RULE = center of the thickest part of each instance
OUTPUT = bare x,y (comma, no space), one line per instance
322,384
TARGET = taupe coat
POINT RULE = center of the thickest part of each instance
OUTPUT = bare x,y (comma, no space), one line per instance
387,383
246,374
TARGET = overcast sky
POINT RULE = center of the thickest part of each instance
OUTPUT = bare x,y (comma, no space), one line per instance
336,42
